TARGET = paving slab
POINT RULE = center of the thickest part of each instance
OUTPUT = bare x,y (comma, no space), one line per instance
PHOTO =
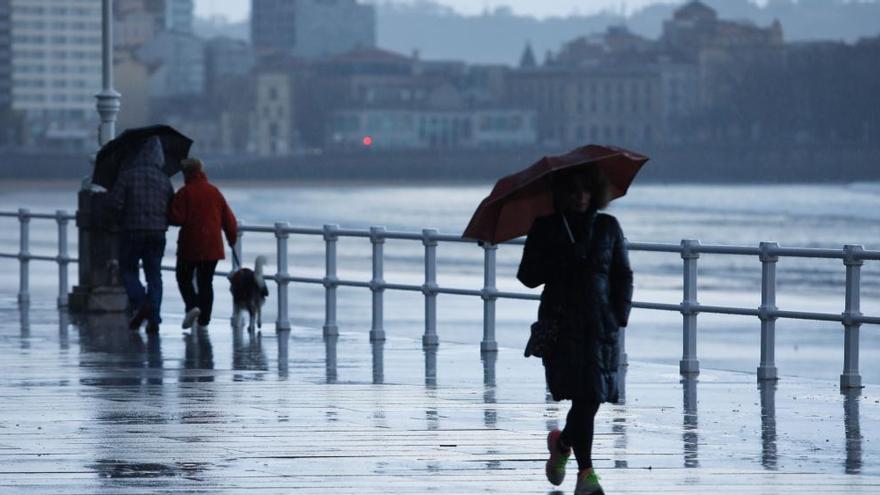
90,407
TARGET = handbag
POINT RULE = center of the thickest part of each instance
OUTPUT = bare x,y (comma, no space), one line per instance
545,332
543,339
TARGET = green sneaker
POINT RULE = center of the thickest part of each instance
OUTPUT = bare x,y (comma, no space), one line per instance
588,483
555,468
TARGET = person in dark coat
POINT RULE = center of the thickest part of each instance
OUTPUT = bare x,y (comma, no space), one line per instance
204,218
580,257
140,198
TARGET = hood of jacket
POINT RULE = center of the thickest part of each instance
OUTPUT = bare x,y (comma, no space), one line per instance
150,155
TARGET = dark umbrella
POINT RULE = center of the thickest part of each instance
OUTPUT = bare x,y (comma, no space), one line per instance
125,147
518,199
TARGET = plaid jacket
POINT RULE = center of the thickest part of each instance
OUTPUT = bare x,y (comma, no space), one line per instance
142,192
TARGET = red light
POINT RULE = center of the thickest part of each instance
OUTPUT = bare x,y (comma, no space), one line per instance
368,141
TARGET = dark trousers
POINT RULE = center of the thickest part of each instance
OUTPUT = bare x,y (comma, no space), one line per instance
202,295
147,247
578,432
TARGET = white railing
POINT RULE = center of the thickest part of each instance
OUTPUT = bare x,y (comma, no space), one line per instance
24,256
768,253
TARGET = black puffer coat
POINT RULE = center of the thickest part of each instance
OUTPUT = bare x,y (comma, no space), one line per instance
588,289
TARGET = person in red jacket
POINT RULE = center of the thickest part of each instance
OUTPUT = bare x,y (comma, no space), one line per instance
201,211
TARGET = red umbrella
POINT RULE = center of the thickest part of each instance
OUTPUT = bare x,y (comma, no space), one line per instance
519,198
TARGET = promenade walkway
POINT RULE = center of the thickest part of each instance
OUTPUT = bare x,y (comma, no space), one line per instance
89,407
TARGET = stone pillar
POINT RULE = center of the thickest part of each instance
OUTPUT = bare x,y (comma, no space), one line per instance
99,289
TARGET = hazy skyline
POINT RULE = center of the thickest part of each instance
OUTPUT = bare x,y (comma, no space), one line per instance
238,10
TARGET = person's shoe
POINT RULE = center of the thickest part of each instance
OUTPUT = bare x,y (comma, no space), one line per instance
190,317
138,319
555,468
152,328
588,483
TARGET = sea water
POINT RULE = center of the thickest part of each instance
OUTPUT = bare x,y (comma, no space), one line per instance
827,216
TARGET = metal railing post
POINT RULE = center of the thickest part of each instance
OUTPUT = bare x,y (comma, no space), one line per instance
281,234
767,367
690,307
377,238
24,220
430,339
330,280
63,260
851,313
489,295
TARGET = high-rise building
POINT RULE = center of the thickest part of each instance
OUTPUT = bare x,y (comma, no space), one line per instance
56,67
138,21
312,28
179,64
226,59
5,56
179,16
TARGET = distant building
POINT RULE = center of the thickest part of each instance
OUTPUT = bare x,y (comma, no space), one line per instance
137,21
179,15
681,97
5,57
695,27
280,112
132,79
621,105
179,61
431,128
56,68
225,59
311,28
274,134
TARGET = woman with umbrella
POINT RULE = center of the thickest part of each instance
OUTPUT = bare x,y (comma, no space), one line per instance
579,255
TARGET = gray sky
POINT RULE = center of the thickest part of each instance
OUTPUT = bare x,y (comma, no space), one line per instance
237,10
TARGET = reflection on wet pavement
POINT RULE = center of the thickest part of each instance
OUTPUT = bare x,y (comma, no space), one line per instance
853,432
768,424
114,469
330,342
96,408
691,434
198,355
248,354
378,353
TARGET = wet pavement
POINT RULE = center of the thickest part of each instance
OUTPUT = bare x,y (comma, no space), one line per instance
90,407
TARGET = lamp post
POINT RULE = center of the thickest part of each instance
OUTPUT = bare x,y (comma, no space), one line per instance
99,289
108,99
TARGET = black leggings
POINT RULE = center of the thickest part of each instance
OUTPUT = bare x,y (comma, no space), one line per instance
204,299
578,432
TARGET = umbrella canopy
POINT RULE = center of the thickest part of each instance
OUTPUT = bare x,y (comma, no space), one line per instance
115,154
518,199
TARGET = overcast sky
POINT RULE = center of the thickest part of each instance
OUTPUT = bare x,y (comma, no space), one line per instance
237,10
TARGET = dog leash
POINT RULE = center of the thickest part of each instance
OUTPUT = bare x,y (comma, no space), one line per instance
235,259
